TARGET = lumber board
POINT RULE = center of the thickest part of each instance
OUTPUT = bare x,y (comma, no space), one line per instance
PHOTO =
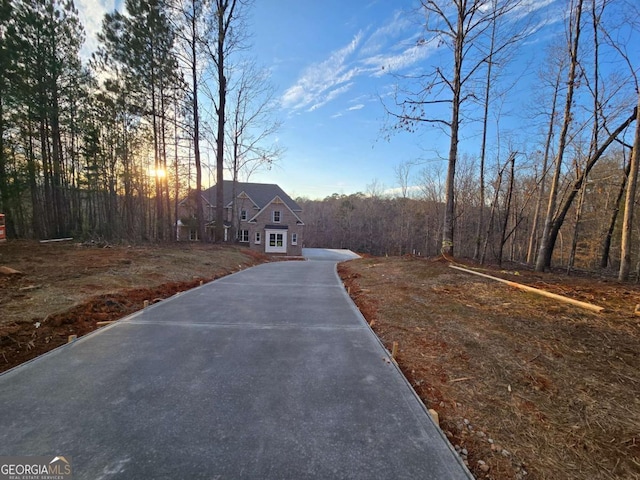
527,288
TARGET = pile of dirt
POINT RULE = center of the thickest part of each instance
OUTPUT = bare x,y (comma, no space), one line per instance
58,290
525,387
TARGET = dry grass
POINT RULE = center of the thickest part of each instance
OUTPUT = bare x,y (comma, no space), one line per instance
65,289
558,388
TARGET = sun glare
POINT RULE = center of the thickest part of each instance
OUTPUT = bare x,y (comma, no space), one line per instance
158,173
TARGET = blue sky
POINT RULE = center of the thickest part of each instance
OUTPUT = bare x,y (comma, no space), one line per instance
327,60
330,63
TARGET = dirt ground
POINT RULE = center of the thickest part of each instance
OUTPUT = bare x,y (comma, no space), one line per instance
64,289
525,387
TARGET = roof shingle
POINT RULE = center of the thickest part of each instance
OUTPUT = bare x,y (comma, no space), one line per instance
260,193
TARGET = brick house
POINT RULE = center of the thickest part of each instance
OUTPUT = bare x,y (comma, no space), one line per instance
266,219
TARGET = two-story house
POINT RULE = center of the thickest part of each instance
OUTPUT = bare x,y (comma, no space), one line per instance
262,216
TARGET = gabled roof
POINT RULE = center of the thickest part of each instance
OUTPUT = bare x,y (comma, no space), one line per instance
277,200
260,193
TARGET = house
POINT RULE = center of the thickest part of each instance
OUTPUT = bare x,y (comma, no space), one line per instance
260,215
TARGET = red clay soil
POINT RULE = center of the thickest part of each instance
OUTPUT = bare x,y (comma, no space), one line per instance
19,344
525,387
63,290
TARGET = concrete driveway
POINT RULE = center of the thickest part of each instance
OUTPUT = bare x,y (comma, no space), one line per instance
329,254
270,373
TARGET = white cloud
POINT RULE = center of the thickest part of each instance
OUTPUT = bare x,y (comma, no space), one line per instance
324,99
91,13
390,48
356,107
380,37
383,64
317,84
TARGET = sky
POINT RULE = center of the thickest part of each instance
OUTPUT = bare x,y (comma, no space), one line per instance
333,63
327,61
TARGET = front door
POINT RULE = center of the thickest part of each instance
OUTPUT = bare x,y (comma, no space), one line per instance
276,241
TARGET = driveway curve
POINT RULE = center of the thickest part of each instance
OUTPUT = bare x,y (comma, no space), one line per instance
270,373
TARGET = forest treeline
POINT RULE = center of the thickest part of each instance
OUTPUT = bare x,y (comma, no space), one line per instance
409,220
107,146
561,189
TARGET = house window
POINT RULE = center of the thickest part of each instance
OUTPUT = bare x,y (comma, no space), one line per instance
243,214
243,236
258,237
275,239
294,239
276,216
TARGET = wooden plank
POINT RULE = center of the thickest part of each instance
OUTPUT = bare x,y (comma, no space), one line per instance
526,288
50,240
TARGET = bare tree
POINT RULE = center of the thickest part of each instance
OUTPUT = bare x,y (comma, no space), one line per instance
495,205
500,38
504,236
460,25
227,33
629,204
556,215
546,247
606,243
252,123
533,238
189,17
403,176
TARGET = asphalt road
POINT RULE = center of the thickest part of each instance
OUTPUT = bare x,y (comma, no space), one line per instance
270,373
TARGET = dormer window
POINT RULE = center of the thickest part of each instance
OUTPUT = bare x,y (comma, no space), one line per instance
276,216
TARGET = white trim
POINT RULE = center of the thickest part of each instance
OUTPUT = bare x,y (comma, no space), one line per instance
233,200
273,244
299,222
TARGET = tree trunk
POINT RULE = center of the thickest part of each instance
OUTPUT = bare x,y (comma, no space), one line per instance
483,149
158,233
533,238
576,228
629,204
4,192
32,172
224,20
606,244
505,223
577,184
196,129
492,214
546,245
176,187
449,209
